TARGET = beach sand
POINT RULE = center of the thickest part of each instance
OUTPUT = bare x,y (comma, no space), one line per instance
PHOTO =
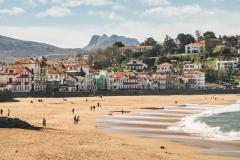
86,141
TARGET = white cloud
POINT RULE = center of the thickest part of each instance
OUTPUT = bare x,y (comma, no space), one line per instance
75,3
156,2
12,11
55,12
174,11
106,15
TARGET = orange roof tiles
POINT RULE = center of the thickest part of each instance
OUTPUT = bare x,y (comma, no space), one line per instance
165,65
26,61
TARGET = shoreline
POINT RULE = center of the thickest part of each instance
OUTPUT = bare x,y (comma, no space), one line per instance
159,126
64,140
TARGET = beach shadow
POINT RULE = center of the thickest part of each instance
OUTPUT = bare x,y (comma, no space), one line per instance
152,108
6,122
9,100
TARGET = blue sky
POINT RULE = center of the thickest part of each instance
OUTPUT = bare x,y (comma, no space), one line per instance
71,23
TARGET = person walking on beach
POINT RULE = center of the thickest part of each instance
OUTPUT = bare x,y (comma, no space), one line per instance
44,123
73,110
1,111
78,119
94,108
98,104
75,119
91,108
8,112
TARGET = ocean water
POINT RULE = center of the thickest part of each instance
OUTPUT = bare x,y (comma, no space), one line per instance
227,122
216,123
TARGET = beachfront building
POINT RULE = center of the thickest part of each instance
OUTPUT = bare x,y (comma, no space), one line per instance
125,81
38,68
228,65
194,79
135,49
198,47
16,79
136,65
190,67
165,68
103,80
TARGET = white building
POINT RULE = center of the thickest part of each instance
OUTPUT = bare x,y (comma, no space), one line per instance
165,68
198,47
17,79
38,68
136,65
194,79
227,65
125,81
190,67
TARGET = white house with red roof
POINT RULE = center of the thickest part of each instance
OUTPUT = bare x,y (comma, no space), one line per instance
38,68
197,47
165,68
194,79
17,79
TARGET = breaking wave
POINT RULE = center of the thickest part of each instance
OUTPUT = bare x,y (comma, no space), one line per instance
195,124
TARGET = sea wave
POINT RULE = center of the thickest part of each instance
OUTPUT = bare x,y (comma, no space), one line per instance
193,124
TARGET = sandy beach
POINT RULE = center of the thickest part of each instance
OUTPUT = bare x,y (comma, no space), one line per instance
87,141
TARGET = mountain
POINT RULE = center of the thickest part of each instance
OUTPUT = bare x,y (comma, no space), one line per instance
11,49
104,41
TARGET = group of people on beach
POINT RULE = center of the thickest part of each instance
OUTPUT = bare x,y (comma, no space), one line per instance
93,107
1,112
76,118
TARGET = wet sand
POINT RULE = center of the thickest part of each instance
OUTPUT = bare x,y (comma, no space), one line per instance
64,140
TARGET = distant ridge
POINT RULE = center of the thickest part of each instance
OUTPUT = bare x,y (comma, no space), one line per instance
11,49
104,41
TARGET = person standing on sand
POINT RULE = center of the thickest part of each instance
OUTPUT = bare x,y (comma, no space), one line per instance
75,119
8,112
94,108
73,110
78,119
91,108
44,123
1,111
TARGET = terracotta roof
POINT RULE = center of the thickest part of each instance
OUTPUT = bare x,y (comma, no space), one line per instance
198,43
193,72
51,62
14,70
119,75
165,65
26,61
55,71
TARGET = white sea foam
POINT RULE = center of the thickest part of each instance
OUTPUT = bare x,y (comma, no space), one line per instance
192,124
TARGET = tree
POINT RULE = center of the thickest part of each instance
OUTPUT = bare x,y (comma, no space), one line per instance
198,35
183,40
118,44
209,35
149,42
169,45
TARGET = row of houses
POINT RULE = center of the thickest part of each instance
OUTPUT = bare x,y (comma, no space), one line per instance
73,74
135,65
